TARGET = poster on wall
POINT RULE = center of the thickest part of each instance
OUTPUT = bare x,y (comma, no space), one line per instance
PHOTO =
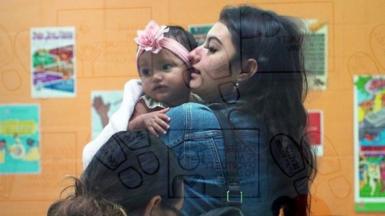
199,32
104,104
315,131
19,139
53,62
315,51
369,142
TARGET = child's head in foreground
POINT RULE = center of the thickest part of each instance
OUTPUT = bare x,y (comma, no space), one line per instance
81,203
133,173
163,63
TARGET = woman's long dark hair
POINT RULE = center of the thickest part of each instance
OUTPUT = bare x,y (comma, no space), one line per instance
276,92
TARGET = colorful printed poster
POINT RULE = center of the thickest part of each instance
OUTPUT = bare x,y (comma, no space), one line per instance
19,139
53,62
104,104
315,51
315,131
199,32
369,145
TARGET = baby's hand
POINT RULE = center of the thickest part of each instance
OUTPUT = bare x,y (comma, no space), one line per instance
156,122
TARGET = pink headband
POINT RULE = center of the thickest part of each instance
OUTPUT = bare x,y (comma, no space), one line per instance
152,39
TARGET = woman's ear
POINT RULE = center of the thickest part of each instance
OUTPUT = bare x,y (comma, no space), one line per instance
152,206
249,68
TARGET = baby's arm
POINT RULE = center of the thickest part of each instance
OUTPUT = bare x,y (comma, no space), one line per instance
139,109
155,122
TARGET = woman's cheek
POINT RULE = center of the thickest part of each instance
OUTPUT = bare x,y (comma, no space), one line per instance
219,71
196,81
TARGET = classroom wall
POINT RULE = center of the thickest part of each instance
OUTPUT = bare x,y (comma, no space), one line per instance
105,55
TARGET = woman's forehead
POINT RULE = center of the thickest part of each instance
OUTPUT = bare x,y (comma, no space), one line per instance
220,31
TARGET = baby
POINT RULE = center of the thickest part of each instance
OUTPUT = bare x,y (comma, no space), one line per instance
163,64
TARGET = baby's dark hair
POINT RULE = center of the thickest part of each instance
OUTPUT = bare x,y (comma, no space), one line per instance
184,37
81,203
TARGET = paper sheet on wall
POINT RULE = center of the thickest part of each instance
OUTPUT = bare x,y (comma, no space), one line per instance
315,131
315,51
199,32
369,145
104,104
19,139
53,62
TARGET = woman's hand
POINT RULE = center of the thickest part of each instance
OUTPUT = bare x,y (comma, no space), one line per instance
155,122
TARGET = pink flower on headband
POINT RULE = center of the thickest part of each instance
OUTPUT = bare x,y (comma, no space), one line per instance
149,39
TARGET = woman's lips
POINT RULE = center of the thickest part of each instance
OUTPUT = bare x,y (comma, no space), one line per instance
195,72
193,75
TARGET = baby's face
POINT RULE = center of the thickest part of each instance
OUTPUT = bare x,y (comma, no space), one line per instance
164,77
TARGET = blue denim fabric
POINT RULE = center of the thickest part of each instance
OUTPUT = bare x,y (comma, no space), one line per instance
195,135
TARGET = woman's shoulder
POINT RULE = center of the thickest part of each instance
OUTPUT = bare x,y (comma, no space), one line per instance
191,107
193,115
191,112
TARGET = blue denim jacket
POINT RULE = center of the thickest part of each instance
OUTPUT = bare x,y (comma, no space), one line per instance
196,137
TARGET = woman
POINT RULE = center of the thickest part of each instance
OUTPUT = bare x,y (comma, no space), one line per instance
132,174
251,69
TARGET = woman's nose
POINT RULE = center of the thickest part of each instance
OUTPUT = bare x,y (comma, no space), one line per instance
195,55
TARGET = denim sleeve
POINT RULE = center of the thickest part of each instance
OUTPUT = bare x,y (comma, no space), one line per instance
190,120
195,136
